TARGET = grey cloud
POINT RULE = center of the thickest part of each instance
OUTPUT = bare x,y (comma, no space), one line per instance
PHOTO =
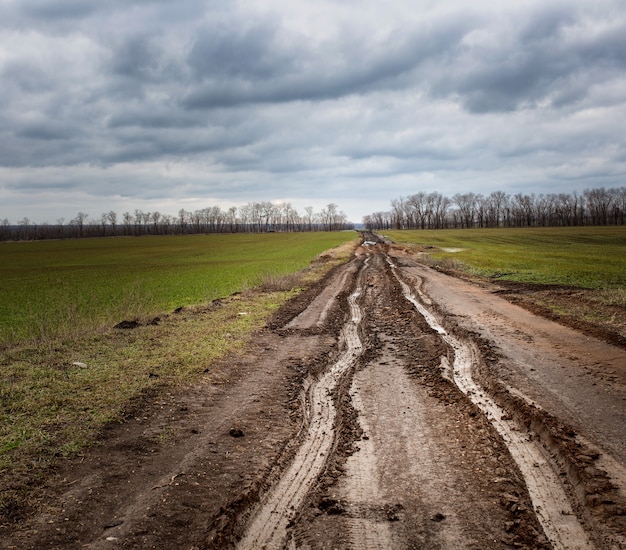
546,22
527,63
137,57
534,64
140,136
226,50
47,130
259,66
154,118
28,77
40,151
59,9
59,13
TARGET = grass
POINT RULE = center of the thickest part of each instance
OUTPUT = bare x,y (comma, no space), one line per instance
56,395
63,288
584,257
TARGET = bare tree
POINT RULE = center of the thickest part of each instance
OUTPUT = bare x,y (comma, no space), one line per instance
112,219
183,217
467,204
417,203
309,217
598,204
128,222
496,203
58,230
138,219
231,217
79,222
398,212
5,225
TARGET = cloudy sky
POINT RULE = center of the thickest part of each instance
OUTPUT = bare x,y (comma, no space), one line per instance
161,105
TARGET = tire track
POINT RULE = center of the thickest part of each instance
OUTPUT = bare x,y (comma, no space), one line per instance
267,528
550,501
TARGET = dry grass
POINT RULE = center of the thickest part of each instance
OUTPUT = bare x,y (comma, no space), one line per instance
612,297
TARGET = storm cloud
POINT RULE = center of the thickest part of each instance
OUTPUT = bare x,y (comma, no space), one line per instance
162,105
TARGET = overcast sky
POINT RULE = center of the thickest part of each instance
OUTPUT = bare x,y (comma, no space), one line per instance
161,105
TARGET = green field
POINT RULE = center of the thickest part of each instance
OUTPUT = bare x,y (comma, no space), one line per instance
64,372
585,257
52,288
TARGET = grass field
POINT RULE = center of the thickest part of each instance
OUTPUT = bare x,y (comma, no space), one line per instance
585,257
59,389
56,288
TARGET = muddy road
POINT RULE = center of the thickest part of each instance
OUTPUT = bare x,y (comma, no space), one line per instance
390,406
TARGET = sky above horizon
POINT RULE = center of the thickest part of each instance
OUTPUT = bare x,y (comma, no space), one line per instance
158,105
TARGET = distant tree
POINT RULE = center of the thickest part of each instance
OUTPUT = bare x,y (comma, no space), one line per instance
155,217
231,218
398,213
439,205
104,218
598,204
79,222
59,230
112,219
418,205
145,218
309,217
496,203
138,219
183,217
127,217
620,205
5,229
467,204
168,222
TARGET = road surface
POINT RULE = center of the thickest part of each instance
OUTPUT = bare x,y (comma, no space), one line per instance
391,406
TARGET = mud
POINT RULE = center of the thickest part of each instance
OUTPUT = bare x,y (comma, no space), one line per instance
391,406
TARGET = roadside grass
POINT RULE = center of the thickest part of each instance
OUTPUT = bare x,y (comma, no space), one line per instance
584,257
56,397
66,288
579,272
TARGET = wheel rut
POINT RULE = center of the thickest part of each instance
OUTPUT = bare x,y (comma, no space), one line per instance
424,470
550,498
268,526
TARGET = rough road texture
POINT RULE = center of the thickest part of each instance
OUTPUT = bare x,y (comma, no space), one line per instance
349,424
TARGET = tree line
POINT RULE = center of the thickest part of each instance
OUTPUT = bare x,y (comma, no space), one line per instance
254,217
470,210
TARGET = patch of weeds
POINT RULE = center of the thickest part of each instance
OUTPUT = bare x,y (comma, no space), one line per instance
442,262
277,283
613,297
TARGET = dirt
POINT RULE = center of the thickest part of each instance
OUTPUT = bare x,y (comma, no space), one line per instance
390,406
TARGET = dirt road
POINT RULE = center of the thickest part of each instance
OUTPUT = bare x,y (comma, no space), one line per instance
391,406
